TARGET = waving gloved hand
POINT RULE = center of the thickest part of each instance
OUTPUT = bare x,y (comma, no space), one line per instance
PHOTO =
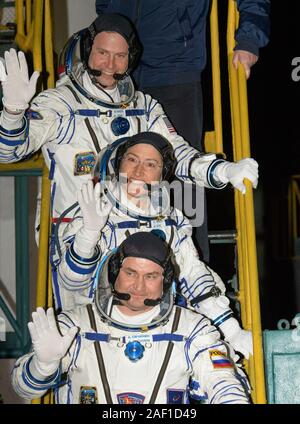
18,89
236,172
239,339
95,209
49,345
94,206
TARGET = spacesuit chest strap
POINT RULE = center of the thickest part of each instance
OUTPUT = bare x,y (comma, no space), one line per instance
150,223
166,359
86,121
99,356
74,93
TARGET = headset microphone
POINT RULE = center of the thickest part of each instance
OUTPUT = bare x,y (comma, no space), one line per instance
147,302
94,72
152,302
119,77
97,73
121,296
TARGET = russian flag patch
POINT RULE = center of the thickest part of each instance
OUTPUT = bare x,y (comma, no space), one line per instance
219,359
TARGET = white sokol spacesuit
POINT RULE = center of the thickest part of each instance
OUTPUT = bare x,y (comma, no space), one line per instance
201,286
64,123
162,355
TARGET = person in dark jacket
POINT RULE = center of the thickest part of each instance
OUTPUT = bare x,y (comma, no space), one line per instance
173,35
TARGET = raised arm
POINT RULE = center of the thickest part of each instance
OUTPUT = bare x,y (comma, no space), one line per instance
192,166
37,372
81,252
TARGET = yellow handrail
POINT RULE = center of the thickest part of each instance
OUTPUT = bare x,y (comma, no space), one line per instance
28,15
43,262
293,212
24,41
214,139
37,43
216,78
36,162
49,46
38,18
245,224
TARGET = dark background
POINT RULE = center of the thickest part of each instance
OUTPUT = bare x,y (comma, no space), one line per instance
274,118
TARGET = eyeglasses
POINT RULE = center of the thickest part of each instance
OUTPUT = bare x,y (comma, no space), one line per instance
148,164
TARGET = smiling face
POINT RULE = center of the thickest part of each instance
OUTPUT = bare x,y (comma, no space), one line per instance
109,54
142,279
141,164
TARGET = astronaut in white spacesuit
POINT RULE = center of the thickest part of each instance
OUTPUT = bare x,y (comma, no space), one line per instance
93,104
131,174
132,345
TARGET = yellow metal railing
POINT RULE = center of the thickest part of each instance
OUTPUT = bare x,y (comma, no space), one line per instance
245,224
213,140
35,16
35,23
293,213
49,45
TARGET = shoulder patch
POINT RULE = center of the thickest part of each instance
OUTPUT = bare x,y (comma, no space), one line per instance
219,359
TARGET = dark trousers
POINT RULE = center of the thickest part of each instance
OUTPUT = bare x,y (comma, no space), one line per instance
183,105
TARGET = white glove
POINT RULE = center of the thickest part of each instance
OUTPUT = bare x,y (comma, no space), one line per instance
94,206
235,172
49,346
95,209
239,339
18,89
